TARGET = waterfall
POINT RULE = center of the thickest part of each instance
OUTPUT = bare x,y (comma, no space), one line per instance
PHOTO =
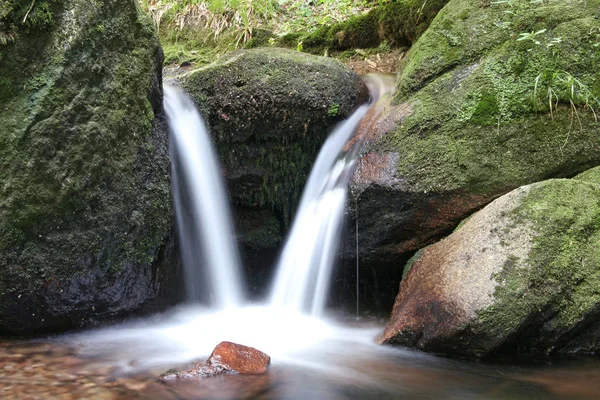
288,326
209,254
304,269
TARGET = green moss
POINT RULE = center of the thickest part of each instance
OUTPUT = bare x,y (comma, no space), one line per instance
558,284
260,38
591,175
270,110
409,264
21,17
453,40
82,190
396,23
486,110
334,109
481,120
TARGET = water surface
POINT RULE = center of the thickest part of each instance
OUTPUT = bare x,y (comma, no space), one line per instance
311,359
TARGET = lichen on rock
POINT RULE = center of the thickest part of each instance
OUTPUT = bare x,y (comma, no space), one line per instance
520,276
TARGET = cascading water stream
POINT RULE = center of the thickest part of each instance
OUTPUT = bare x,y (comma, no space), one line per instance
304,270
201,208
303,275
312,357
288,326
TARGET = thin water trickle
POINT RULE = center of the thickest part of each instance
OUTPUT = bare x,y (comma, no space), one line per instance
357,261
210,256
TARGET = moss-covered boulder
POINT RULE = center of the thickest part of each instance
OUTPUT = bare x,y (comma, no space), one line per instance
494,95
520,276
269,111
84,170
398,23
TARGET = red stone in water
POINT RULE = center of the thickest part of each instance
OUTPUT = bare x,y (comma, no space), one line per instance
238,358
227,357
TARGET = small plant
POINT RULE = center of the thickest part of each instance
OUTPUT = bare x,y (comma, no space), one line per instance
334,109
563,86
215,16
531,36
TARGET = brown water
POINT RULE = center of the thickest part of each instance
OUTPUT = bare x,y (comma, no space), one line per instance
47,369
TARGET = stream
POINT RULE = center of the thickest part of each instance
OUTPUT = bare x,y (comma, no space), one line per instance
314,354
334,360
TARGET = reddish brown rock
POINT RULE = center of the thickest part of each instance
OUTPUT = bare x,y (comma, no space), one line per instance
227,357
450,281
238,358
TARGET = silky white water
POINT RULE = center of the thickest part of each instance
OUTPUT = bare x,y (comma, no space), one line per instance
191,332
209,254
304,270
289,325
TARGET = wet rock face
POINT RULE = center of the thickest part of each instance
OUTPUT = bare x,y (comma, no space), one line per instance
519,276
468,125
227,357
85,196
269,111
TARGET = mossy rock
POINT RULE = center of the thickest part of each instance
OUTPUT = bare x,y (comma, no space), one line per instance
397,23
520,276
471,119
269,111
85,197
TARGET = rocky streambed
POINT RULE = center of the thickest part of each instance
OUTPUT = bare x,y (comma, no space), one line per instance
42,369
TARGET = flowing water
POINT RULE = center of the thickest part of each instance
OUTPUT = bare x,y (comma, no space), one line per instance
210,257
314,355
304,271
344,365
287,327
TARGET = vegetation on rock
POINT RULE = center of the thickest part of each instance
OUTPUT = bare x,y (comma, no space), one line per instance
79,95
20,17
500,94
198,31
520,276
523,110
396,23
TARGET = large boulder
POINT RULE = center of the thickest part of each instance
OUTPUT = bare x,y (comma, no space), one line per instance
520,276
472,119
269,111
84,198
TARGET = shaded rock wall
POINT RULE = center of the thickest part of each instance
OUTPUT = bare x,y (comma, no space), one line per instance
85,198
